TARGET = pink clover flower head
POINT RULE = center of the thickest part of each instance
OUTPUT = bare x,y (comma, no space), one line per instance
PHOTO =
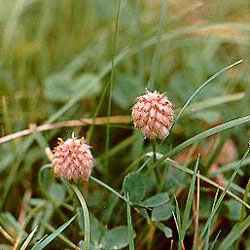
73,159
153,115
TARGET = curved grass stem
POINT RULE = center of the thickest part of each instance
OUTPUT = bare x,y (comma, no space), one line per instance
86,245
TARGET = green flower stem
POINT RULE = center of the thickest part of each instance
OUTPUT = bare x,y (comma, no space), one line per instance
86,218
156,170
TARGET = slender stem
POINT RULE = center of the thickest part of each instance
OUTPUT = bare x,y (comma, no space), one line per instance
86,218
98,108
156,173
108,188
112,77
130,226
197,213
154,150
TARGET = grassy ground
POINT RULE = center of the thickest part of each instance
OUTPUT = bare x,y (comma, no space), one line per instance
65,60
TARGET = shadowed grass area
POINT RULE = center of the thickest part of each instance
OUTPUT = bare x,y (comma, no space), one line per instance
77,66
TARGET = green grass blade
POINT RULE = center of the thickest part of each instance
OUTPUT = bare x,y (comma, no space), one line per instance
61,237
176,223
28,239
45,242
108,188
197,91
214,101
210,222
212,245
215,130
243,212
235,234
97,110
218,203
186,215
202,177
231,166
130,227
178,216
86,218
212,131
112,77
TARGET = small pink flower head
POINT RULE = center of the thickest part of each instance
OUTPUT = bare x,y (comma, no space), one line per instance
73,159
153,114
